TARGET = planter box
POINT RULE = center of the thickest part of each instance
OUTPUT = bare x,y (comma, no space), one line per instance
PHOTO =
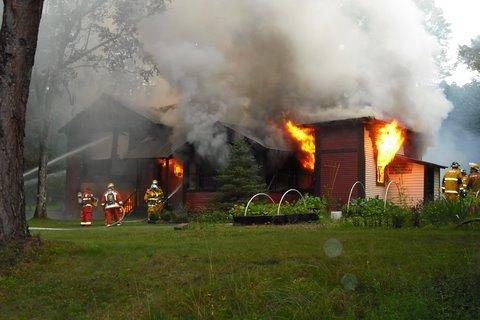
280,219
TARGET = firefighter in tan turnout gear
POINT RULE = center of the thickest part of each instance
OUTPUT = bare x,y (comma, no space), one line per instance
463,194
473,182
452,184
154,199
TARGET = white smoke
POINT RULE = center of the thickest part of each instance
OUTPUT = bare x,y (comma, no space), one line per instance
250,62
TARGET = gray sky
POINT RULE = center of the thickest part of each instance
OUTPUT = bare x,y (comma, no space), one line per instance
463,16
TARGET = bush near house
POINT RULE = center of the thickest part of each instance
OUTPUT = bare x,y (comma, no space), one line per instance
443,212
373,213
307,204
240,178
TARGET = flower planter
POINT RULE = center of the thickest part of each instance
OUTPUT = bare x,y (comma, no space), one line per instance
276,219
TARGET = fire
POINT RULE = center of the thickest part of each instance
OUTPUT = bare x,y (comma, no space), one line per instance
389,140
306,140
177,168
162,162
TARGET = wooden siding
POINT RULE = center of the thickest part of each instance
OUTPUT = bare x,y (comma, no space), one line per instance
436,184
197,201
339,138
371,188
408,188
339,171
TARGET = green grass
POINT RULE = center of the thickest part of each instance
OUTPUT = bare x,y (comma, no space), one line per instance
140,271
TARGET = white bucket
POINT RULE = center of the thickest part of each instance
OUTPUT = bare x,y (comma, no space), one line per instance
335,215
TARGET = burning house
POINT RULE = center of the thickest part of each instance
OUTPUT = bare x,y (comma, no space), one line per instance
325,159
374,153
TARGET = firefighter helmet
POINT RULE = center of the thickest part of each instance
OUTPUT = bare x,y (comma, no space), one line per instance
110,185
455,165
474,166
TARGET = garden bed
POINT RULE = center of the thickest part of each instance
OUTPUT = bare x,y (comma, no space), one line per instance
275,219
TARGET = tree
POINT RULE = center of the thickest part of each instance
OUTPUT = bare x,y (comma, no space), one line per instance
436,24
84,36
18,42
470,55
240,178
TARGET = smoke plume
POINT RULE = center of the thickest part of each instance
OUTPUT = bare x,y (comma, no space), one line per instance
250,62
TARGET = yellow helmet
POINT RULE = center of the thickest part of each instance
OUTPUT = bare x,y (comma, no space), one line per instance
154,182
474,166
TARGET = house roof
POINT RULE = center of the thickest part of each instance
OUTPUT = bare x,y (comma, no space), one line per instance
266,143
150,148
408,159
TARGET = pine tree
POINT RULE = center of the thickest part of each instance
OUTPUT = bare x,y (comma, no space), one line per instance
241,177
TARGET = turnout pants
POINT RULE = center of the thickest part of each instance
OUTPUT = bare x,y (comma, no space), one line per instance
86,216
113,213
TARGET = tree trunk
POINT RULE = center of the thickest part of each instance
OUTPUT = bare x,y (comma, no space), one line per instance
41,207
18,42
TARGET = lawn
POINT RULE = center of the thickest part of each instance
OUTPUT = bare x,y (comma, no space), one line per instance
139,271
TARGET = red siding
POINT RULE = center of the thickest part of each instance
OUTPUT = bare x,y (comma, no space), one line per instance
197,201
290,197
338,172
339,138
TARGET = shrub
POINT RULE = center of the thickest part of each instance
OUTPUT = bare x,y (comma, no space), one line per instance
372,212
179,215
240,178
309,204
443,212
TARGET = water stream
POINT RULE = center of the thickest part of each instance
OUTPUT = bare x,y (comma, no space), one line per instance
68,154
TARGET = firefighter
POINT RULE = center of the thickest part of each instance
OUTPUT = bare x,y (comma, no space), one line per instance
113,204
473,184
452,183
463,194
154,199
87,201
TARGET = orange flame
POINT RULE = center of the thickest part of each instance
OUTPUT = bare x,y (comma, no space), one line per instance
306,141
389,140
177,168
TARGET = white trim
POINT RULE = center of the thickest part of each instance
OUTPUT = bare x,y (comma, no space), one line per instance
451,191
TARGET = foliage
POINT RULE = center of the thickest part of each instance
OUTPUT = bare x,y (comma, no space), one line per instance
179,215
309,204
140,271
442,212
470,55
437,25
240,178
372,212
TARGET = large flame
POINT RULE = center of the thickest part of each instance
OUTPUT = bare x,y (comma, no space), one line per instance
177,168
389,140
306,141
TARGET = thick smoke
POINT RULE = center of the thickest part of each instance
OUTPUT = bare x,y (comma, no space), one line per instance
251,62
